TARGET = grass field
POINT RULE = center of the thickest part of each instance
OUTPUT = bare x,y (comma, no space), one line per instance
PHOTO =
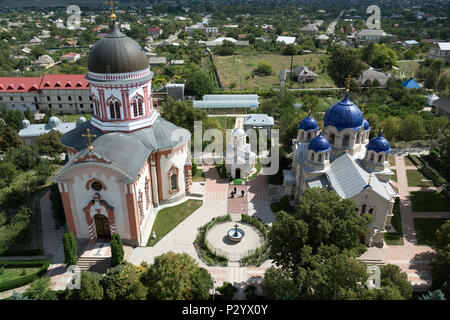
423,201
237,69
415,178
408,162
168,218
392,160
407,69
74,117
226,122
14,273
426,230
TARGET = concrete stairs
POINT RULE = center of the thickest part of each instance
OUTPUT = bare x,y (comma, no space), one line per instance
373,262
94,264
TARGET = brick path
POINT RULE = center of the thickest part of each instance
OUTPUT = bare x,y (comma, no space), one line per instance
410,257
238,204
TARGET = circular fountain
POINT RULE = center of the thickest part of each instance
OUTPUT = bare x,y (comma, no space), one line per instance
236,234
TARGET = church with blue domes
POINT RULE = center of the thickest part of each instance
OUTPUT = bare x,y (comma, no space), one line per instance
341,157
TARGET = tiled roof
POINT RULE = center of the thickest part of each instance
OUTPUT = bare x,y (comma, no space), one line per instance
49,81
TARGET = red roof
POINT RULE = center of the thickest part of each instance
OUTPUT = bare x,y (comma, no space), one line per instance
154,29
70,54
49,81
19,84
56,81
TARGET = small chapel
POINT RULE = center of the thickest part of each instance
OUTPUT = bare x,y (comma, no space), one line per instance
340,157
127,160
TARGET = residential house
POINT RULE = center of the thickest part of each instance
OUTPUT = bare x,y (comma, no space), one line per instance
440,50
303,74
157,61
374,35
372,74
309,29
286,40
441,107
71,56
154,32
44,61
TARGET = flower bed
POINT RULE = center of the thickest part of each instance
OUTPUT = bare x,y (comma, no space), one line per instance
261,254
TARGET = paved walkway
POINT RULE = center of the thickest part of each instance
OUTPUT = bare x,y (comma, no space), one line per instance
215,203
411,258
238,204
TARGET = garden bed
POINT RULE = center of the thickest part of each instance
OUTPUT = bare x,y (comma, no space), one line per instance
415,178
14,274
204,253
260,254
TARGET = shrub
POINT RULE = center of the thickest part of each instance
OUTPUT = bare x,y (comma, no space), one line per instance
227,290
3,219
116,250
123,282
90,288
70,249
263,69
40,289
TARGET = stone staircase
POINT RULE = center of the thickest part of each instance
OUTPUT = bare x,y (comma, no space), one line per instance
94,264
373,262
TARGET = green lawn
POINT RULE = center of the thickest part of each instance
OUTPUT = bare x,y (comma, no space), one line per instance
169,218
395,238
408,162
423,201
415,178
199,176
226,122
407,69
14,273
394,177
74,117
392,160
237,69
426,230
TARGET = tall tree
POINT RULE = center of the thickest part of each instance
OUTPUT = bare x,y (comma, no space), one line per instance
175,276
123,282
344,62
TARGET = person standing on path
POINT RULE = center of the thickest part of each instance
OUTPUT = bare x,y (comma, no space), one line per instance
242,193
235,190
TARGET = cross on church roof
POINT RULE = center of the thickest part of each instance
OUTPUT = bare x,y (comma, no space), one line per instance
89,136
111,3
347,83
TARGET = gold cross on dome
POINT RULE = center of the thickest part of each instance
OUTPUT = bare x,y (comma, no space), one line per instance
111,3
347,83
89,136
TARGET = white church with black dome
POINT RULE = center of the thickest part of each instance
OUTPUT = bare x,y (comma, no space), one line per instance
341,158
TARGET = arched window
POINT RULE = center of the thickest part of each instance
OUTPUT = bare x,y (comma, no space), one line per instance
138,110
363,209
173,179
141,205
346,140
174,182
358,137
302,135
147,192
332,137
112,111
371,211
372,157
320,157
380,157
312,156
117,105
97,108
309,135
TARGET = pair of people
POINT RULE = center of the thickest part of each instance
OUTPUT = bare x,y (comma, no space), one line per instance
234,192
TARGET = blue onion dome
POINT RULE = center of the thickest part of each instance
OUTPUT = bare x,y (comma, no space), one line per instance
309,123
366,125
343,115
319,144
379,144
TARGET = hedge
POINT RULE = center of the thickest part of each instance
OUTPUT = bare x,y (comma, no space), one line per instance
27,252
15,283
